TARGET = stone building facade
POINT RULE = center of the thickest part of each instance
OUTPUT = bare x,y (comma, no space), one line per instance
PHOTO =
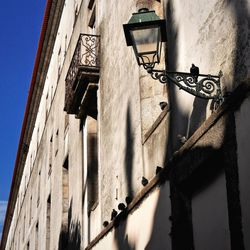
94,136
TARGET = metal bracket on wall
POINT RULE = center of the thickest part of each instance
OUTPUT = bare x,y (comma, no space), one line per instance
200,85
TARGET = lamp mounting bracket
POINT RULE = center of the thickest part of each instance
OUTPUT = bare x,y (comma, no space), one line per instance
200,85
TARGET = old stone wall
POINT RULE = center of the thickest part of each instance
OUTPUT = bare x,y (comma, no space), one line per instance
39,204
134,135
214,37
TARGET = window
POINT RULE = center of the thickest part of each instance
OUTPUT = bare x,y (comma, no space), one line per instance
90,177
37,138
65,45
56,142
92,163
36,236
17,204
30,218
91,3
50,155
65,193
26,183
76,10
48,215
66,135
52,92
24,220
31,162
59,62
19,240
47,106
92,19
66,122
92,14
38,188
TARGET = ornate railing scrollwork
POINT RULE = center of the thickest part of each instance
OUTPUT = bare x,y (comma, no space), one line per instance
89,50
86,61
86,54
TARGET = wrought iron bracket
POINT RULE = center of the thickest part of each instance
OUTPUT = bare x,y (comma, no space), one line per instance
203,86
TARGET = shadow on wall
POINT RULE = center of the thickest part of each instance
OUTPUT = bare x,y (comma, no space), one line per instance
198,115
242,46
160,237
70,238
177,225
178,121
241,59
121,237
161,220
180,124
194,172
129,153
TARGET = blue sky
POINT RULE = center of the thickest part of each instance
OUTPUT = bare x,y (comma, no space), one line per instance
3,205
20,30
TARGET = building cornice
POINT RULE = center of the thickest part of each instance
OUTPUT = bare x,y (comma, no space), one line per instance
52,15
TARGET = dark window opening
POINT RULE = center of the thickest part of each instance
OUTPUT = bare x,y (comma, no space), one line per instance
50,155
57,142
48,215
30,218
92,163
36,236
65,194
92,19
39,188
59,62
47,107
91,3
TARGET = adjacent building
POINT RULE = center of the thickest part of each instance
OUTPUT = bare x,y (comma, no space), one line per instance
101,165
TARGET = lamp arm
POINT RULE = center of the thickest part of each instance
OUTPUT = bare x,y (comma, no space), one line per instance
203,86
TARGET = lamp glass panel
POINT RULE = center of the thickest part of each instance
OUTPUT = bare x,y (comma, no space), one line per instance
146,39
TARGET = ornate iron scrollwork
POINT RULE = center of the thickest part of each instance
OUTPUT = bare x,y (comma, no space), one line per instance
203,86
89,45
85,57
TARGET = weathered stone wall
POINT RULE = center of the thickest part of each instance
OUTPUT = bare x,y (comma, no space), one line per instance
213,36
119,109
46,157
134,134
148,227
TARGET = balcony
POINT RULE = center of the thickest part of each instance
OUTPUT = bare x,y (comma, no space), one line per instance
82,75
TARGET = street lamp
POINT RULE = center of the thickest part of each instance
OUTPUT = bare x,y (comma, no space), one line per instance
145,31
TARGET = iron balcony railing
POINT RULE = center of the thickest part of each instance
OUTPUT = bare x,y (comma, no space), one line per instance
84,68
